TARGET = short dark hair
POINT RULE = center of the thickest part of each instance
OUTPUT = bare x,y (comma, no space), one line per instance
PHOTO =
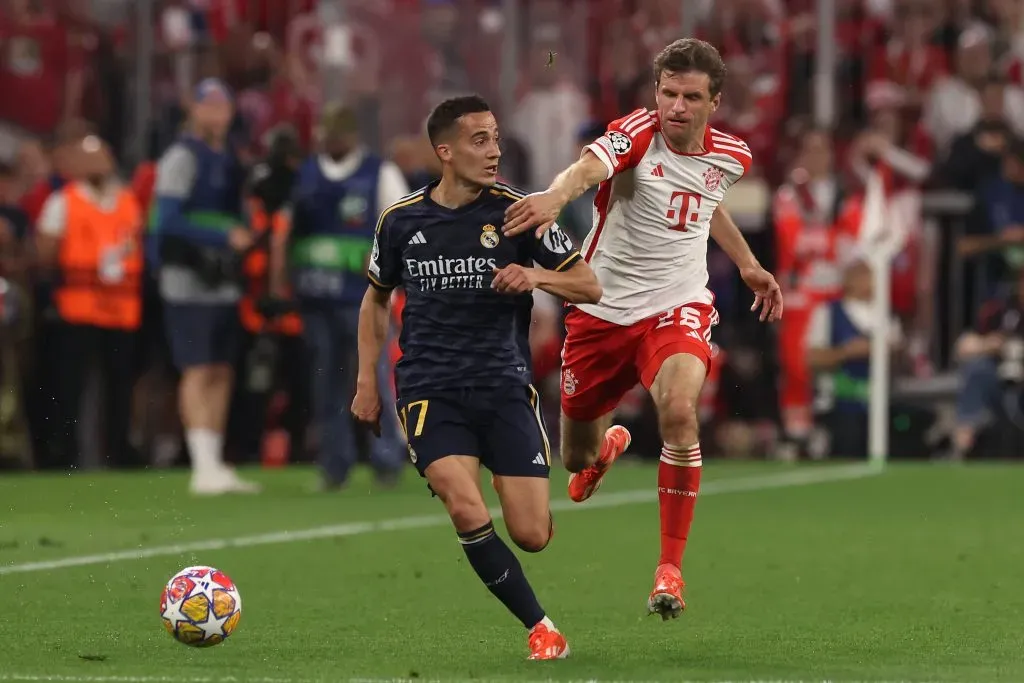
691,54
445,115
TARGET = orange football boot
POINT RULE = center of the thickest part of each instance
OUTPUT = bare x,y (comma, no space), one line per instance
667,597
547,643
584,484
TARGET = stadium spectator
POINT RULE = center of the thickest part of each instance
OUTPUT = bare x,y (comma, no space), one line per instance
977,155
838,350
954,106
910,61
1001,202
750,111
814,224
546,118
39,64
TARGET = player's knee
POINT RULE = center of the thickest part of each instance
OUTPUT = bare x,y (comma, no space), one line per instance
678,417
465,507
467,514
533,538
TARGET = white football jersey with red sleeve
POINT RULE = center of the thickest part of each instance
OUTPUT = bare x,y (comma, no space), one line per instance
652,217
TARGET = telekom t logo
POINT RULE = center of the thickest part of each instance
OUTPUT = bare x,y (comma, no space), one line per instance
683,208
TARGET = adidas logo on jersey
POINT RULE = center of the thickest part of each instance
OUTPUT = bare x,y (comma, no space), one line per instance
658,171
539,460
418,238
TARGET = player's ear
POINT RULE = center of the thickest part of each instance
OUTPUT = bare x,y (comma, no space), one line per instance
715,101
443,152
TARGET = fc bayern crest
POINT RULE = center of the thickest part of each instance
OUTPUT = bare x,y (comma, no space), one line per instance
713,178
569,382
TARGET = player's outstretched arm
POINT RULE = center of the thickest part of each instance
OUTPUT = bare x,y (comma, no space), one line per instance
373,330
767,293
577,284
540,209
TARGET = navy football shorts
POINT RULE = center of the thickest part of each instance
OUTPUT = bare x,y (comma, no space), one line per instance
202,334
502,428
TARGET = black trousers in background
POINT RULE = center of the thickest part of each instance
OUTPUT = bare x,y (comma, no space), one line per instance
247,424
79,348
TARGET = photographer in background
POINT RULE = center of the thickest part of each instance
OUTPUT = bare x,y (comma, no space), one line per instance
989,356
272,377
197,239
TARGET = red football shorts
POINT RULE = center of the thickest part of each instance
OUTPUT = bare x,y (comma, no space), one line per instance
601,361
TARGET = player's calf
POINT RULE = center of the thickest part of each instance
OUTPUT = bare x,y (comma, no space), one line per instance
455,481
581,441
675,391
526,510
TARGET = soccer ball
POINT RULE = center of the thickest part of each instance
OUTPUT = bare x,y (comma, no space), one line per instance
200,606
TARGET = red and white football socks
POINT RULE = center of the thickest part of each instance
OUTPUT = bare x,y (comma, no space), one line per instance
678,485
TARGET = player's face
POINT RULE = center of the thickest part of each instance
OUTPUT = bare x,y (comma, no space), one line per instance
473,153
684,105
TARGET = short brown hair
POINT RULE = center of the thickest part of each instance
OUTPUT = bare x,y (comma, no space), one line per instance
691,54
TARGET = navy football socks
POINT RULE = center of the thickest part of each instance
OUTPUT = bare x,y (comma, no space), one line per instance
499,569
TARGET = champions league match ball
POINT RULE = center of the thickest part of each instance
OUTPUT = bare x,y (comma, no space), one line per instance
200,606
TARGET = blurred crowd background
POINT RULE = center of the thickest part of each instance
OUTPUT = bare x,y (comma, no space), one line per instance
925,95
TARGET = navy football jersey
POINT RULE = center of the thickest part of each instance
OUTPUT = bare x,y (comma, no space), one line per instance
457,332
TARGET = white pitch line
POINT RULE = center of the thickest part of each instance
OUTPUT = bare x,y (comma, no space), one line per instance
56,678
803,477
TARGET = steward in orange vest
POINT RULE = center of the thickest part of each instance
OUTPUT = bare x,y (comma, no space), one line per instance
90,236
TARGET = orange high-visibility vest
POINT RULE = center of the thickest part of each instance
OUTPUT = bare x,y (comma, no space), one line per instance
255,268
100,262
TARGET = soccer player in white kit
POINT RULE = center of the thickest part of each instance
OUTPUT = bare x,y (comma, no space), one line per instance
662,176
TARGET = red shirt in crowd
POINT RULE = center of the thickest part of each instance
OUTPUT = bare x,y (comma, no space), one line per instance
35,58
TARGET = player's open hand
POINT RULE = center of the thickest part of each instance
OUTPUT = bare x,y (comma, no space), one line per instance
538,210
366,407
767,293
514,279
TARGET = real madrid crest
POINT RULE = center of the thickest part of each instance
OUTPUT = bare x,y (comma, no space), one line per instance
489,236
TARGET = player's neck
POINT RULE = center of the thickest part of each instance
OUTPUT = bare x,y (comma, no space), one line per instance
452,194
692,145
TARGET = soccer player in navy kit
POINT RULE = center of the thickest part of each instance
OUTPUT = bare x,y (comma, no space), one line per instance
463,382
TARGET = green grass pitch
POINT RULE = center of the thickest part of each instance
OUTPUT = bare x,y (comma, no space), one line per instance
794,573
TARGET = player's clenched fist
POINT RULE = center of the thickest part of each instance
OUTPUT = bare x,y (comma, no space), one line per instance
538,210
514,279
366,407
